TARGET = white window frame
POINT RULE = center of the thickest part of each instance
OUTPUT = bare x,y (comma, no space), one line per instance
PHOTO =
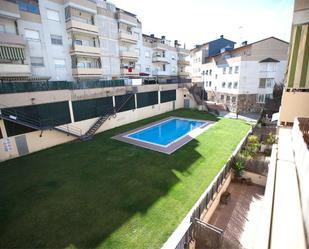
30,35
37,64
59,65
59,37
52,15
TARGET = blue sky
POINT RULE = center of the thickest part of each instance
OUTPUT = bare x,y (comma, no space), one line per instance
197,21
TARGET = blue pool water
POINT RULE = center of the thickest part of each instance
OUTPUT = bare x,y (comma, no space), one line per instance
167,132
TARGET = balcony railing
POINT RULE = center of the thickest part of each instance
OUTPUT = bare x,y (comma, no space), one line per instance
160,46
87,72
78,26
158,58
183,62
12,39
20,87
85,50
127,37
11,70
126,71
129,55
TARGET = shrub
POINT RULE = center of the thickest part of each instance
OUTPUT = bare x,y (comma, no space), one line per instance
238,167
271,139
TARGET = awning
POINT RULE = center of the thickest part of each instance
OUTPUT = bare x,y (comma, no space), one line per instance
11,53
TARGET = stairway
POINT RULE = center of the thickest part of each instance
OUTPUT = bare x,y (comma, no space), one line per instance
13,115
101,120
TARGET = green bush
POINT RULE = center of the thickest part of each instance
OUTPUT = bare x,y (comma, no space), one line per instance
271,139
238,167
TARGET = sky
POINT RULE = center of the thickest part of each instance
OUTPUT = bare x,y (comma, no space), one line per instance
198,21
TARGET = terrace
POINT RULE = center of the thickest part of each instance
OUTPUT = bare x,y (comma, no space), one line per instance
108,194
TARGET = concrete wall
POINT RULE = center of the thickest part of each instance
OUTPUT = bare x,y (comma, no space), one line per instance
294,104
35,142
255,178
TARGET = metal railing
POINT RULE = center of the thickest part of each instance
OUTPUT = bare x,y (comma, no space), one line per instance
19,87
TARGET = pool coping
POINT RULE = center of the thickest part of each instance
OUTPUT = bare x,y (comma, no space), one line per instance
123,137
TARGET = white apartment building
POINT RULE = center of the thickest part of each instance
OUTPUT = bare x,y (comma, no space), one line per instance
65,40
243,78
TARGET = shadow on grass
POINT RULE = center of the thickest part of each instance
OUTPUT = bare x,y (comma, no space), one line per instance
80,193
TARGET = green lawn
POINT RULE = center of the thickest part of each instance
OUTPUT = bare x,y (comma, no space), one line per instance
107,194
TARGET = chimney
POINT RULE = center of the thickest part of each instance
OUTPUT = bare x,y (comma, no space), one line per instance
152,35
221,36
176,43
244,43
163,37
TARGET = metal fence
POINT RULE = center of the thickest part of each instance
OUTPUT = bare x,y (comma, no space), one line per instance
19,87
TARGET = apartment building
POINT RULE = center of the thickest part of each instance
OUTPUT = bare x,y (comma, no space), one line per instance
199,54
295,101
242,78
161,58
72,40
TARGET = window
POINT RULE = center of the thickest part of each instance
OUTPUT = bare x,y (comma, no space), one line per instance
270,82
78,42
216,76
2,28
209,83
37,61
222,97
164,67
206,83
235,85
224,70
260,98
173,57
210,72
32,35
59,63
262,83
53,15
268,96
56,39
173,70
228,98
223,84
236,69
230,70
136,35
137,51
206,72
268,67
230,85
147,54
233,99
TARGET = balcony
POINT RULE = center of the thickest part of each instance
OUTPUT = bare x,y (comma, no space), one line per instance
183,62
9,9
160,46
127,37
185,74
183,51
125,18
11,39
80,27
159,59
86,72
129,55
14,70
85,50
125,71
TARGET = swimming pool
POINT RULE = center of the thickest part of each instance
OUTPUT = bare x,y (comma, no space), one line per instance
167,132
167,135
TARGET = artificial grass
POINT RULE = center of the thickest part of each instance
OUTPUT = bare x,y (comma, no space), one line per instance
107,194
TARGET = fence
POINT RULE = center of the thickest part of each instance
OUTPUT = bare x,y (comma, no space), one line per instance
183,234
19,87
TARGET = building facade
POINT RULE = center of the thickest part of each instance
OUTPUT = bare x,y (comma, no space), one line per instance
243,78
74,40
295,100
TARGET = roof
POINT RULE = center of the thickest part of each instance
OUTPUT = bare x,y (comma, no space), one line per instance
250,44
269,60
206,43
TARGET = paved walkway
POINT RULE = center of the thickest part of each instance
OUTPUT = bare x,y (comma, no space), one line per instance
240,217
